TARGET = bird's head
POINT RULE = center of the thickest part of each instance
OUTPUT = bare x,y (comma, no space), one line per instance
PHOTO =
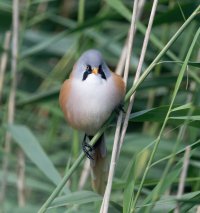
91,63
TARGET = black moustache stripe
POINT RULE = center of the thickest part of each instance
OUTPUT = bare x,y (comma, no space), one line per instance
102,74
85,75
87,72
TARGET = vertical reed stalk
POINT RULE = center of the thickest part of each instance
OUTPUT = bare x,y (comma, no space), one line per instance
15,52
5,163
11,100
106,198
4,61
138,71
183,177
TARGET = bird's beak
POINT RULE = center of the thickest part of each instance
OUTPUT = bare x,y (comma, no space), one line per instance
95,71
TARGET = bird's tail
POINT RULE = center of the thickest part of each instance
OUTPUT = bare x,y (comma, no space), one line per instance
99,167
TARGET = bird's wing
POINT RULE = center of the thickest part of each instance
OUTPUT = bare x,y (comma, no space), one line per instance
120,85
64,95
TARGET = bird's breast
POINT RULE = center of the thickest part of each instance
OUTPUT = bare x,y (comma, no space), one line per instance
91,102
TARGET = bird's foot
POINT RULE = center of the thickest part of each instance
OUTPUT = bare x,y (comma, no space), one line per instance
119,109
88,149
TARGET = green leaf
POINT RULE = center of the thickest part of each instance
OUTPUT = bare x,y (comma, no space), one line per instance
129,188
42,45
173,14
137,166
178,114
126,13
171,177
120,8
80,197
167,203
31,183
194,118
30,145
40,97
181,151
188,201
191,63
51,44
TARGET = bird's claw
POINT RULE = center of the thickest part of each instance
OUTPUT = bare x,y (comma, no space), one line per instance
88,149
120,108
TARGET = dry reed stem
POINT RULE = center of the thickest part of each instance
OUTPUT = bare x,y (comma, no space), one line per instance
84,174
116,146
21,178
120,66
4,60
15,49
139,70
3,65
183,177
11,100
106,198
141,4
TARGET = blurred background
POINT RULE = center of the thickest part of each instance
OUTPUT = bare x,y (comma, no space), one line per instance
37,146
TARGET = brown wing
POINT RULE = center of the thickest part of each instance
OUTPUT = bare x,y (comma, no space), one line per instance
119,84
64,95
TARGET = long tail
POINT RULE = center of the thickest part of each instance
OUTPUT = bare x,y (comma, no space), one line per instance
99,166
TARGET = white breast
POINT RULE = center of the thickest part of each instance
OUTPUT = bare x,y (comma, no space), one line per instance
91,102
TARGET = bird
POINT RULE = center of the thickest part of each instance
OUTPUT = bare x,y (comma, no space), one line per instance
87,99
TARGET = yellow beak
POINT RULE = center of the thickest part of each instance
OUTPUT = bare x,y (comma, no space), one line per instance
95,71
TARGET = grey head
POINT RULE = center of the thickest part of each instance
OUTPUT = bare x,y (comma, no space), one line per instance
91,62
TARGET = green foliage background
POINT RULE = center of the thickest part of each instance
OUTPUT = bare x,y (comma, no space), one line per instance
51,38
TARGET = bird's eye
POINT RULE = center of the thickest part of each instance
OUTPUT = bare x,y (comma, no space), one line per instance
88,68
